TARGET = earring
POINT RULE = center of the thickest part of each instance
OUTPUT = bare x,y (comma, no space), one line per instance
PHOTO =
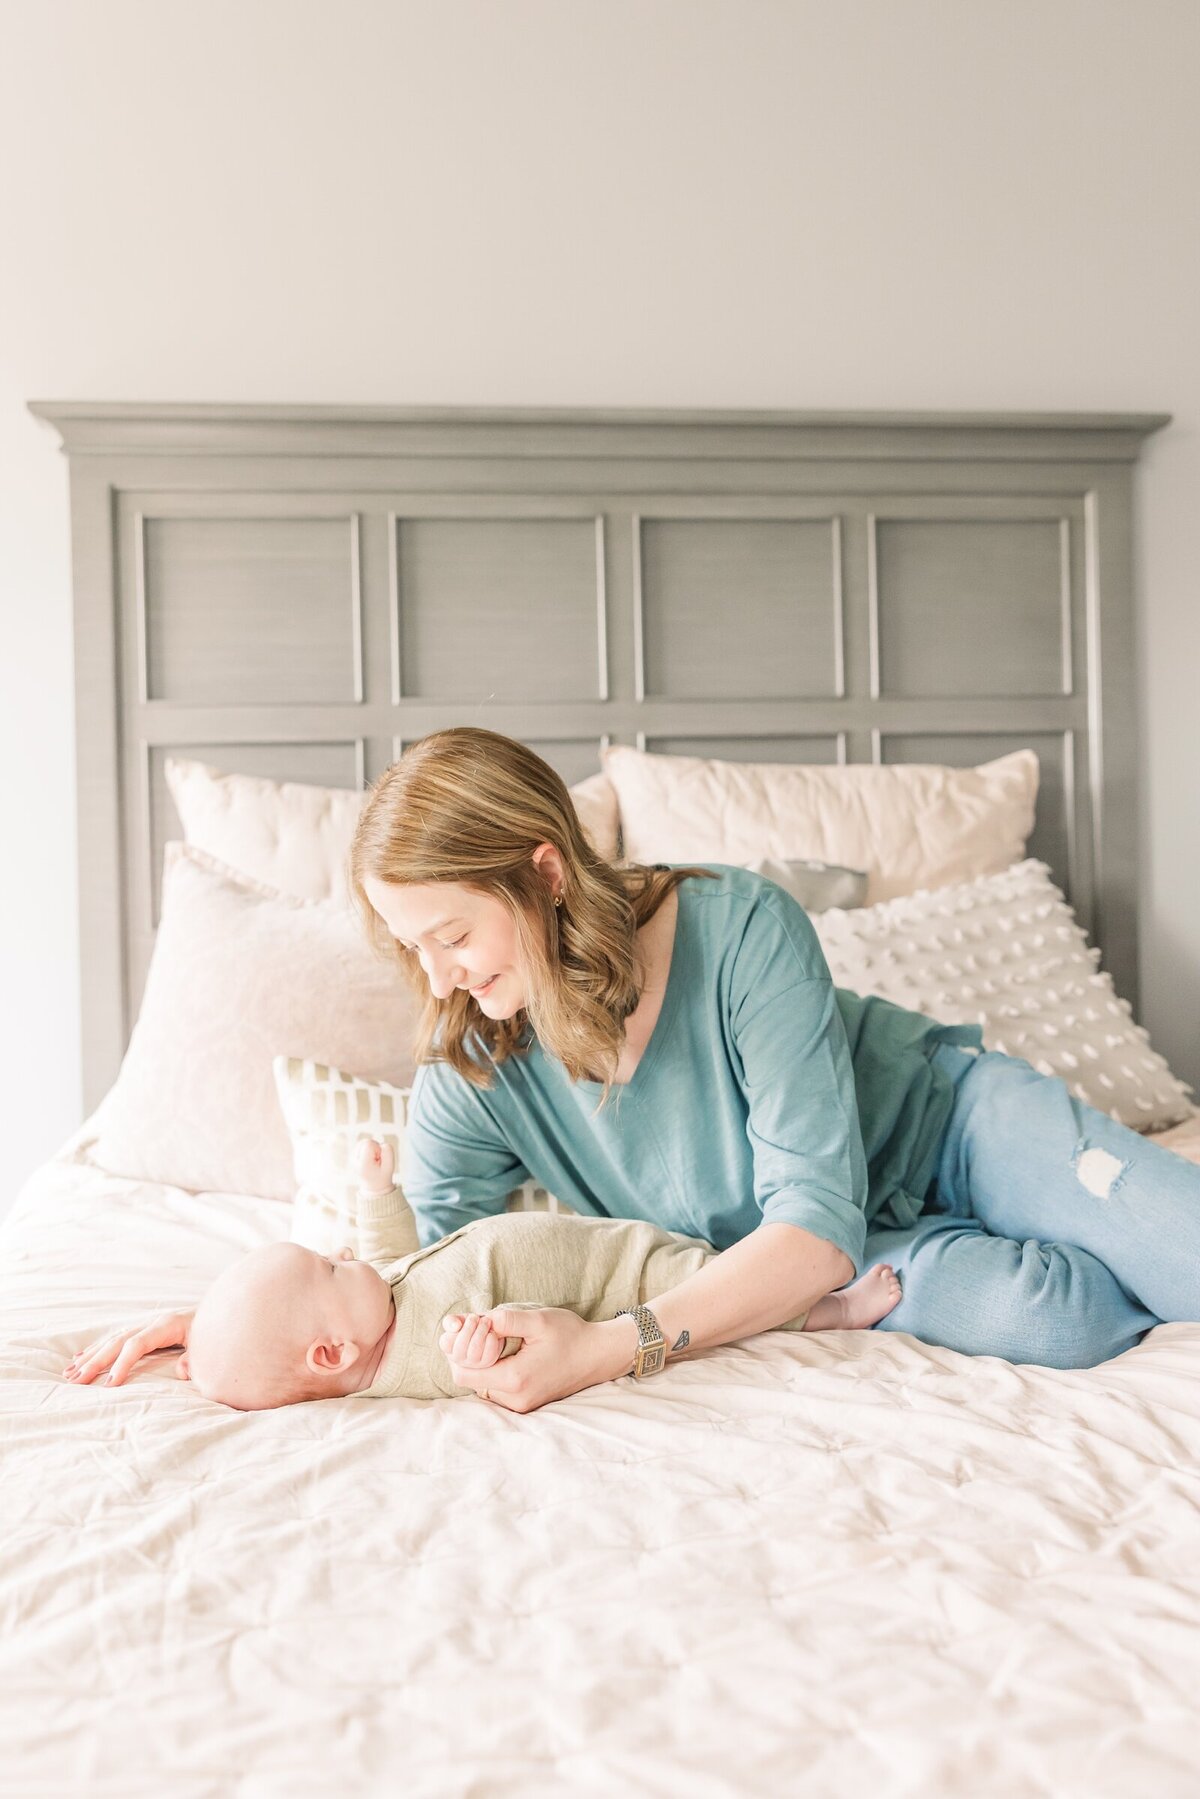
558,899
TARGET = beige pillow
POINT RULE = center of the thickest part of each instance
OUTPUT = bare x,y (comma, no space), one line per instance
908,825
297,838
326,1111
1005,952
294,837
240,974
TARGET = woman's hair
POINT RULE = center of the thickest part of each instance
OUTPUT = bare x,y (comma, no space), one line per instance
470,807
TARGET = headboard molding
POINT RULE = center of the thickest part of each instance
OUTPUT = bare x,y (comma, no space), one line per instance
297,591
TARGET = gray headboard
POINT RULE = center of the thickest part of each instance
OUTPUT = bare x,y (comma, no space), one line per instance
297,591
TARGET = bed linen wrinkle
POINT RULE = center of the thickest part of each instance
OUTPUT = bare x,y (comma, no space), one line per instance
856,1555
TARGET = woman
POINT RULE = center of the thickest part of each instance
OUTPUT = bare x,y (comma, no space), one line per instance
668,1044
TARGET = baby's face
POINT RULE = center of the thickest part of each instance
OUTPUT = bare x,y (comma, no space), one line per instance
350,1298
282,1314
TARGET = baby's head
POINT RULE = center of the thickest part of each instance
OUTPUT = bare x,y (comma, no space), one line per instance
285,1324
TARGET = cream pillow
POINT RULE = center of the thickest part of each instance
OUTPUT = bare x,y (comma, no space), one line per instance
908,825
240,974
1004,951
297,838
294,837
326,1112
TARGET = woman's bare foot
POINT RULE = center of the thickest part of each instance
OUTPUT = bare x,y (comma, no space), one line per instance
375,1164
859,1306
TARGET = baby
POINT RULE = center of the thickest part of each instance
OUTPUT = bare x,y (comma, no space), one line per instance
285,1324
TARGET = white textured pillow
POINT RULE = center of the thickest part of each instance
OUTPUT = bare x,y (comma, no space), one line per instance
909,825
241,974
1004,951
297,838
326,1112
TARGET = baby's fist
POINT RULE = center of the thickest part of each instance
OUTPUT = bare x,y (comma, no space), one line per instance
469,1341
376,1165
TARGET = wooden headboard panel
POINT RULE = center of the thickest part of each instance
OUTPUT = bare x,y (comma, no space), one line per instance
298,591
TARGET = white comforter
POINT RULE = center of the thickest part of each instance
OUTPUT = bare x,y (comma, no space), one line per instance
827,1564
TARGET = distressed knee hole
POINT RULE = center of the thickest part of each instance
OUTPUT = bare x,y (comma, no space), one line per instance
1099,1170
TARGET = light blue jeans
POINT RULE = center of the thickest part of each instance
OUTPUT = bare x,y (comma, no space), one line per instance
1051,1233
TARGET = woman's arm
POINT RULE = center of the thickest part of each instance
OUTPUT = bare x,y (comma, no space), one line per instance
772,1276
457,1165
769,1278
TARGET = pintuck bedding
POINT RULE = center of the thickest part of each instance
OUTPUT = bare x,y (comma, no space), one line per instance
829,1562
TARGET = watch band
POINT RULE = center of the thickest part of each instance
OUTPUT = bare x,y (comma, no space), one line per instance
651,1353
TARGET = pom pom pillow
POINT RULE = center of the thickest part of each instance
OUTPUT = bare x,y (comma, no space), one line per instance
1004,951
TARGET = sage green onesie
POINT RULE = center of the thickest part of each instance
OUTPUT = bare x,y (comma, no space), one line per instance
592,1266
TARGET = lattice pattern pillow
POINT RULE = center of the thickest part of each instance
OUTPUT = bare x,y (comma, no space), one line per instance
1005,951
326,1112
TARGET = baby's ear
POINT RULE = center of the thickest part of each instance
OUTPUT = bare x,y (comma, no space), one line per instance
182,1371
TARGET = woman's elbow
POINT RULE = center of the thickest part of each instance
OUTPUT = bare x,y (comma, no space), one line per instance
822,1260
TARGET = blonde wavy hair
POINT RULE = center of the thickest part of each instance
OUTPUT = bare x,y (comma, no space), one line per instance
469,806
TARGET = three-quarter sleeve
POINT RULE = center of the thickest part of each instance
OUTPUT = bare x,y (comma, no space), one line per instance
810,1167
457,1164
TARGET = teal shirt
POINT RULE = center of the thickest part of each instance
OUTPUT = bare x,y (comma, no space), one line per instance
764,1093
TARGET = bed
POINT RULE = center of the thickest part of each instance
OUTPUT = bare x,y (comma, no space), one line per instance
804,1562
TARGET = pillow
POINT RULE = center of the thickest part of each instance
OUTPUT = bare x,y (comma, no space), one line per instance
1004,951
326,1112
297,838
909,825
595,803
240,974
816,885
293,837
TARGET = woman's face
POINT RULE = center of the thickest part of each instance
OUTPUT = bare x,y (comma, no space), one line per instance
462,938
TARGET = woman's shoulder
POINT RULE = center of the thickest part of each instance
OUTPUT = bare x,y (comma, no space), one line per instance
745,912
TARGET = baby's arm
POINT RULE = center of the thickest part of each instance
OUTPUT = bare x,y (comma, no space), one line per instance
387,1229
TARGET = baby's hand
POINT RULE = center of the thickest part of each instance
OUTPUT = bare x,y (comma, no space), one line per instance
469,1340
376,1165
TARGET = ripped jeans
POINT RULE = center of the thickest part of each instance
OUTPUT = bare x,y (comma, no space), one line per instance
1051,1233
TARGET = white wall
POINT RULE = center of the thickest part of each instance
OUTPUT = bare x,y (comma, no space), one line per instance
867,203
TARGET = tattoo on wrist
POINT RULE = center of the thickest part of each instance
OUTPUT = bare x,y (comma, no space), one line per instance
681,1341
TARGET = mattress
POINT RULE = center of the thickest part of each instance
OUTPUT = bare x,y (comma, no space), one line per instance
848,1563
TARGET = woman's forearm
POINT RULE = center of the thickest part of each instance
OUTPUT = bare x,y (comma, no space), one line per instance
769,1278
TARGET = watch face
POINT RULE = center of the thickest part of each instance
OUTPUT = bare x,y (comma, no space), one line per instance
653,1359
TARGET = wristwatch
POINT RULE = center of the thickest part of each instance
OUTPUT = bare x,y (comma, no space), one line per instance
651,1353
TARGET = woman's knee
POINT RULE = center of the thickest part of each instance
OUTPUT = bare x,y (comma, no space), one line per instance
1040,1303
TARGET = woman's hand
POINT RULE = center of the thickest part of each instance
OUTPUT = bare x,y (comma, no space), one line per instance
122,1350
560,1353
